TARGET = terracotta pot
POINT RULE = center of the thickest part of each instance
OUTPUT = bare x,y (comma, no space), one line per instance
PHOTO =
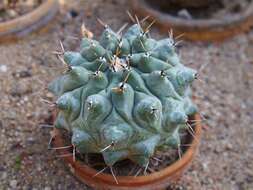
21,26
198,29
154,181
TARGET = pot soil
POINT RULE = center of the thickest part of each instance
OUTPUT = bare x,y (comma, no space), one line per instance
25,20
161,173
212,20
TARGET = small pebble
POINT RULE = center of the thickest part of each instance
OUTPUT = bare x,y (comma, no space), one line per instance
3,68
13,183
4,176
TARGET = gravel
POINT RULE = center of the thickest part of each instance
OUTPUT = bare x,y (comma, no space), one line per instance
13,9
224,96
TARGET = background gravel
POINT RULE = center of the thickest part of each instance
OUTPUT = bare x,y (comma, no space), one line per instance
224,96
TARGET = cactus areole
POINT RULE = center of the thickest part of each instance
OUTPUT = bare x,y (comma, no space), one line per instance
124,96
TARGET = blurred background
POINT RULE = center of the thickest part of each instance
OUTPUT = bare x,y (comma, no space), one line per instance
224,96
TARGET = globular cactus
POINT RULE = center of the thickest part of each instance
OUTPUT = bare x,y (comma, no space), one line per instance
124,96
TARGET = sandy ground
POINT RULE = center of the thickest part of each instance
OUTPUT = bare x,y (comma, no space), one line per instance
224,96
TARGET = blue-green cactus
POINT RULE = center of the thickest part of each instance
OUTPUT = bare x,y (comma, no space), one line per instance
124,96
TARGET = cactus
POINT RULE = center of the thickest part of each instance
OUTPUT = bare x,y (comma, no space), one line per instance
124,96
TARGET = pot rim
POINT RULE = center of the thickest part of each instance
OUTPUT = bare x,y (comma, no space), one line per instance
79,167
18,24
196,24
